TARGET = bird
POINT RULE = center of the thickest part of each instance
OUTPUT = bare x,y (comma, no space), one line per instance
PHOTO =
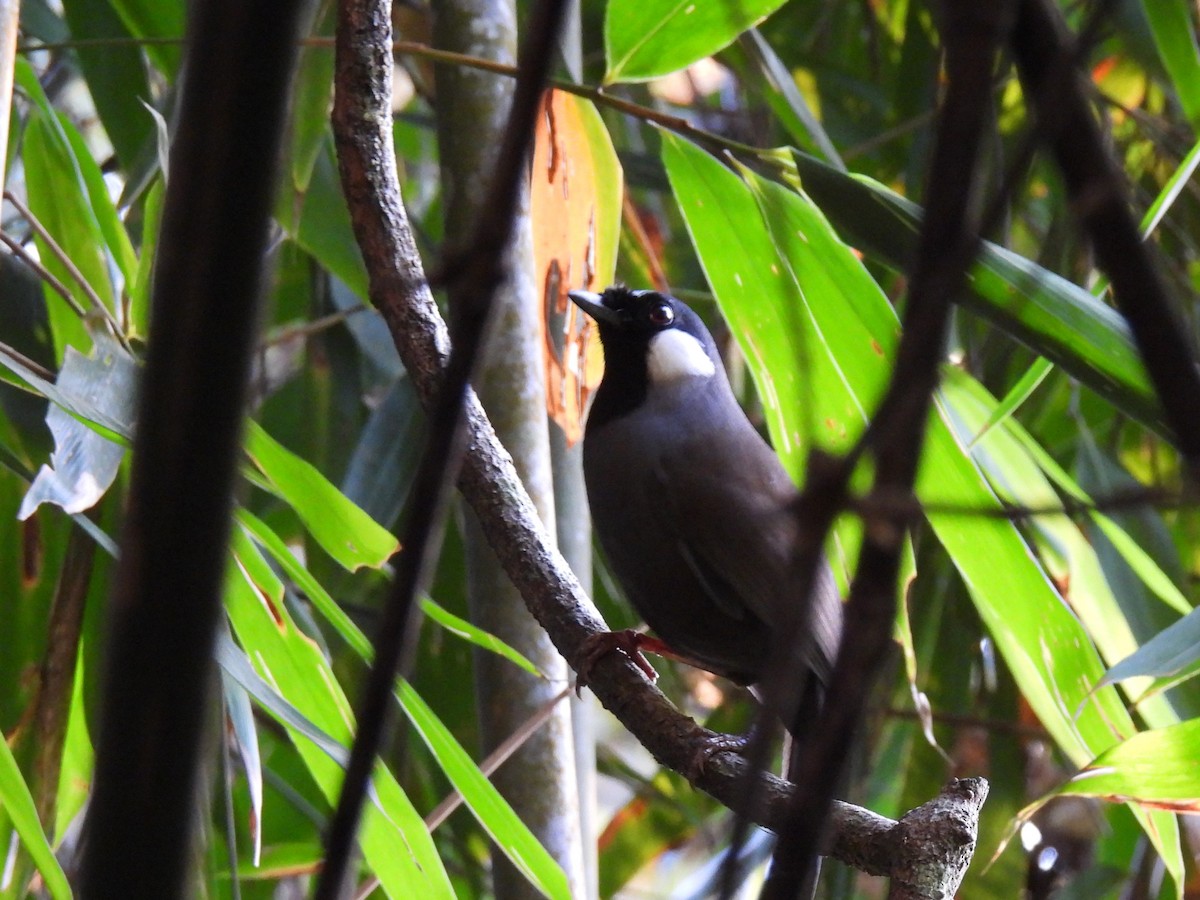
693,510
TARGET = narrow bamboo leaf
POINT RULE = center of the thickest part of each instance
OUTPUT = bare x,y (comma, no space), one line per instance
1065,550
1173,651
162,22
1057,319
478,792
319,222
1154,768
346,533
139,289
311,100
78,760
304,580
18,805
116,239
1051,657
647,38
59,199
381,468
241,722
785,98
516,841
477,636
1174,30
394,840
1171,190
235,664
1016,395
1151,574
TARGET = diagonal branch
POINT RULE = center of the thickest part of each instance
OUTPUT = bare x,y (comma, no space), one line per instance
1046,62
489,482
478,273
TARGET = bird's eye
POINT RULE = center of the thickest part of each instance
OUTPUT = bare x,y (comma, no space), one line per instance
661,315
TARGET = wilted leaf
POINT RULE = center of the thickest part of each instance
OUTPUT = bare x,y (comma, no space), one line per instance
575,205
83,463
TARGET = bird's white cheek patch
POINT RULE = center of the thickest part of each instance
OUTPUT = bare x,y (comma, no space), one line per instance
676,354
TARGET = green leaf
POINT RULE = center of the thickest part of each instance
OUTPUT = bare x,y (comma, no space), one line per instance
1156,768
394,840
1017,479
1016,395
311,100
320,223
18,805
1171,190
647,38
842,335
518,843
346,533
477,636
59,198
1059,320
1172,652
139,289
162,23
115,238
479,794
1174,32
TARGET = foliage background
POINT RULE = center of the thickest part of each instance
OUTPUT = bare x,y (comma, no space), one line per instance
1010,625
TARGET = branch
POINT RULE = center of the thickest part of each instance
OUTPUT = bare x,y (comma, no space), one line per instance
363,58
1045,57
488,481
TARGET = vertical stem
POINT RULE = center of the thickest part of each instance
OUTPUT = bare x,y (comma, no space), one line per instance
472,111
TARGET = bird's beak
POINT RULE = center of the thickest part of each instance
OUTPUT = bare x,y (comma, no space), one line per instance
591,304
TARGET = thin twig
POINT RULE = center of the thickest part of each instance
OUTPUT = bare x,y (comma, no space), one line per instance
488,766
72,269
57,286
38,369
308,329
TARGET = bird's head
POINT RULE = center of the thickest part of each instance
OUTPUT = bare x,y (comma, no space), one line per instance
649,337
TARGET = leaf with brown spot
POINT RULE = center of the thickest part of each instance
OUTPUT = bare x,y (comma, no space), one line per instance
575,204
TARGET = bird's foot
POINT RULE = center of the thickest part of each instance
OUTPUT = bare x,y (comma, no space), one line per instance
713,742
627,641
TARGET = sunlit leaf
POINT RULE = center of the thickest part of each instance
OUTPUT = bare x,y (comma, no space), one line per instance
395,842
346,533
1154,768
647,38
18,805
843,333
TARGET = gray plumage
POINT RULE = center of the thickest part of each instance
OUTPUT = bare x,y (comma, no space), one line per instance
692,508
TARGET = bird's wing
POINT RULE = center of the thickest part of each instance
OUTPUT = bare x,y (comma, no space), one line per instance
735,525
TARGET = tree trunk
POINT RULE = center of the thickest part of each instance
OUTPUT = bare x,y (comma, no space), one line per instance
540,780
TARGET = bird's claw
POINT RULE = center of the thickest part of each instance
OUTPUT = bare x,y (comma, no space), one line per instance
712,743
602,643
